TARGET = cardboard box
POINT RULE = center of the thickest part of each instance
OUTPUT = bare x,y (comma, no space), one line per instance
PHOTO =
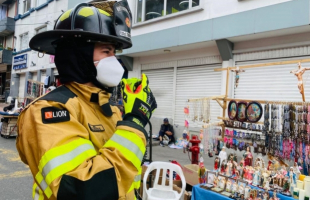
9,129
191,174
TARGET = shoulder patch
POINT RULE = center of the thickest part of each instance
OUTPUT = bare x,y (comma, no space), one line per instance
96,128
54,115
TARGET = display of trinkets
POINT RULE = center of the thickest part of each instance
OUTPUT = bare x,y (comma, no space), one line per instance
232,110
254,111
241,111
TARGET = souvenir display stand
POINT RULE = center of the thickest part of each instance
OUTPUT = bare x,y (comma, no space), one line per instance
277,131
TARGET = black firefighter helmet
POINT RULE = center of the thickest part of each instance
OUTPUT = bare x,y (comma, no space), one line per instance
107,22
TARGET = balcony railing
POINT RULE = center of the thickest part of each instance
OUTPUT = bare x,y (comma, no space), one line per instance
7,26
6,56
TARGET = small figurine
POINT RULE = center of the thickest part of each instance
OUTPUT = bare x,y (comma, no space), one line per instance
223,167
283,171
266,184
286,187
291,179
248,157
266,195
247,191
296,170
275,195
228,170
202,171
256,177
216,164
223,155
251,174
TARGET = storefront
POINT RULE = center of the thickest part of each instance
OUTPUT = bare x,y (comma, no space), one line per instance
175,81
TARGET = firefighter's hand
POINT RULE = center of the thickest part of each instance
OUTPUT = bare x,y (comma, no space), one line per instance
139,102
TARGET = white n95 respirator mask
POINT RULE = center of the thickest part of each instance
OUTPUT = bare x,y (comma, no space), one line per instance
109,71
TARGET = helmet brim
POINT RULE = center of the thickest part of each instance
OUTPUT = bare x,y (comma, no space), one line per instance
43,42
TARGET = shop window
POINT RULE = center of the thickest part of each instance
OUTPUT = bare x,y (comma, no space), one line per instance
27,5
41,29
24,41
151,9
40,2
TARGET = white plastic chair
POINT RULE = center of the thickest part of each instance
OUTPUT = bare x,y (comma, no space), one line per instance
160,191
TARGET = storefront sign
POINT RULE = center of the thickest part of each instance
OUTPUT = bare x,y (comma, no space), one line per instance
20,62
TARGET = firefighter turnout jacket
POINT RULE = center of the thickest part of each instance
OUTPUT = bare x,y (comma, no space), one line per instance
77,147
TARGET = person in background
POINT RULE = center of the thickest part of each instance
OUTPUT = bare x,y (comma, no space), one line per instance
166,129
53,86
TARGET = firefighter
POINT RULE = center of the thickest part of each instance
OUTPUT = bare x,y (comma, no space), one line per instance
75,143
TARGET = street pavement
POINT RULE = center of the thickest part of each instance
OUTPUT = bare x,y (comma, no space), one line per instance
15,177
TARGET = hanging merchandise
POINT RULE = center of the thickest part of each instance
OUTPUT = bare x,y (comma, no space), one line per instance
237,77
232,110
241,116
34,88
254,111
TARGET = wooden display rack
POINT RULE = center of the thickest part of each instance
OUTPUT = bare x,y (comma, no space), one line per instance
223,99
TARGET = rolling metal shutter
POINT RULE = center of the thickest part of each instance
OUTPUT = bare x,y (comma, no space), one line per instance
22,85
197,82
161,84
272,83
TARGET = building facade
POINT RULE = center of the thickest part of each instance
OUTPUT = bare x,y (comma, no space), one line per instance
8,10
178,44
33,72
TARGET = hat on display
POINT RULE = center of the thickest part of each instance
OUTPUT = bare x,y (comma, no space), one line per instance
104,22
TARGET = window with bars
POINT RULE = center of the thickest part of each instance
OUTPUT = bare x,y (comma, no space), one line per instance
150,9
24,41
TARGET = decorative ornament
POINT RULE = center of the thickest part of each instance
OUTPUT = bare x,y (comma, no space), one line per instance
254,111
299,72
237,71
241,110
232,109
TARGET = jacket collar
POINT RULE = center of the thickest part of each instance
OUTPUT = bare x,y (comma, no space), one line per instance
92,95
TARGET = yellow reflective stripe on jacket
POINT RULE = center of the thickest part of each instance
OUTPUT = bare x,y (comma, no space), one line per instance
46,189
60,160
136,182
130,145
34,189
37,193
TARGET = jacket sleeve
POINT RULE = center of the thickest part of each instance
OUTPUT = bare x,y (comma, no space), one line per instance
65,163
